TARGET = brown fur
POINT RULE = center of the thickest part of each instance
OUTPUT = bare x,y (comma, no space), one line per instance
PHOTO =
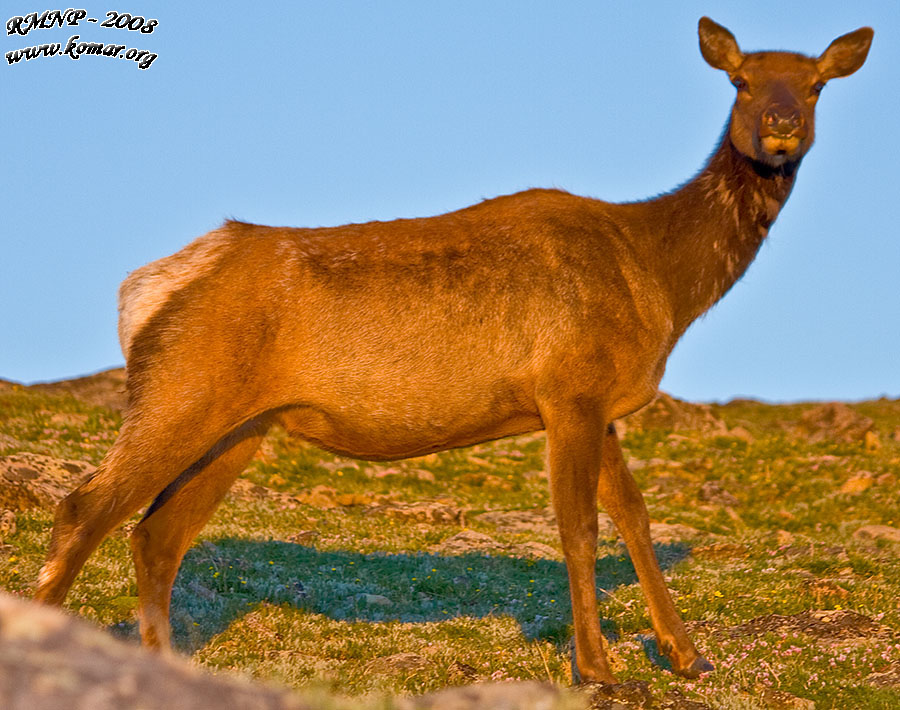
393,339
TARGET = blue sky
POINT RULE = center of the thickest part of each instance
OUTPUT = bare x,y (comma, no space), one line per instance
326,112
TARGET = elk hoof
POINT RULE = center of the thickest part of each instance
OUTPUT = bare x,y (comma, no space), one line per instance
698,666
601,676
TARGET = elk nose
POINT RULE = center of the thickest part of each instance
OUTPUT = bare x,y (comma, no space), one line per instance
783,121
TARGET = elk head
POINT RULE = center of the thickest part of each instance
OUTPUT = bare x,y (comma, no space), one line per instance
772,121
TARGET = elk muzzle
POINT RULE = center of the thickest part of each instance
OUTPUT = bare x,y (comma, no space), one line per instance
782,130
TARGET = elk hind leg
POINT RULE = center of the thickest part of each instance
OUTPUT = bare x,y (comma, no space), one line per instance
162,538
130,474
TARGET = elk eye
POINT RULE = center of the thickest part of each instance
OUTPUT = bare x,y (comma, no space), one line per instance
817,88
739,83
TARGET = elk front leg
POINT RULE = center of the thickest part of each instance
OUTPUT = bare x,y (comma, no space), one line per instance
622,499
574,438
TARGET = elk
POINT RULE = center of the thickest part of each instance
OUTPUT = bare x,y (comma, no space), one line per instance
386,340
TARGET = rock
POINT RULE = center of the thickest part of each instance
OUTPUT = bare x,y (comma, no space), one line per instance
543,521
667,412
7,523
67,419
871,441
50,660
397,662
721,551
519,695
805,547
889,678
339,465
782,700
459,672
886,479
878,532
620,696
713,492
349,499
9,442
741,433
201,590
672,532
817,462
323,497
467,542
375,600
674,700
246,490
423,511
783,537
859,482
538,521
535,475
35,481
419,474
833,421
485,480
667,485
242,489
534,550
104,389
827,625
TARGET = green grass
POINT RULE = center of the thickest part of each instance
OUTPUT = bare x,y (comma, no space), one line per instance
324,598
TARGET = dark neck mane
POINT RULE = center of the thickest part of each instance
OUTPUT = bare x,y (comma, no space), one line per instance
714,226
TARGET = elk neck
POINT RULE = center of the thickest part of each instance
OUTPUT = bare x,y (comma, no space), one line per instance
708,231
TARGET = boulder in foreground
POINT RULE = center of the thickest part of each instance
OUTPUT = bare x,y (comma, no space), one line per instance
50,660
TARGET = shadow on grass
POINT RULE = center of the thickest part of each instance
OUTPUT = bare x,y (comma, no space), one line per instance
221,581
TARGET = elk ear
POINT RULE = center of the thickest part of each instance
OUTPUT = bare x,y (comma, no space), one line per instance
718,46
846,54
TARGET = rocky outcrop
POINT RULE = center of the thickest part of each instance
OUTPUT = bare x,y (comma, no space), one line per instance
468,542
834,421
878,532
538,521
433,512
667,412
30,480
103,389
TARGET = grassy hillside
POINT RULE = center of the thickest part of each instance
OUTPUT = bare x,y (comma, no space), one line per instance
359,578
